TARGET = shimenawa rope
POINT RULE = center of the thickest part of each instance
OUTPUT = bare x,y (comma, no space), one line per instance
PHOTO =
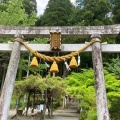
57,59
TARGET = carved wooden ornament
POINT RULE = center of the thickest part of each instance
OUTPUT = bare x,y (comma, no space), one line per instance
55,40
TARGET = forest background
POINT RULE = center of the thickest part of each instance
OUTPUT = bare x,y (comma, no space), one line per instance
64,13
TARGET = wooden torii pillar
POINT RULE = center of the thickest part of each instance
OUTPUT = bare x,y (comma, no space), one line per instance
10,78
101,97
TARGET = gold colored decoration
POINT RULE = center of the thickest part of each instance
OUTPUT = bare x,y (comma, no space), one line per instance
34,63
55,40
54,68
73,63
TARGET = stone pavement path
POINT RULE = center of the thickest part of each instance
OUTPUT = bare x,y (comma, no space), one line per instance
61,114
66,114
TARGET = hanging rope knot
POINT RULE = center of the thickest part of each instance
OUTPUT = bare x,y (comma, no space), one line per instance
93,41
18,40
35,53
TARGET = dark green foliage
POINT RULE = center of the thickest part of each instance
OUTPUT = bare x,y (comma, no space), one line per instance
86,60
115,109
118,39
114,66
24,68
40,41
30,6
116,11
92,12
57,13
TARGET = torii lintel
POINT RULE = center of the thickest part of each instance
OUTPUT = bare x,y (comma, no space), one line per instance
66,31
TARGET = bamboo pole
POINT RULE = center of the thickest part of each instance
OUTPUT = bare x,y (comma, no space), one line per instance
101,98
10,78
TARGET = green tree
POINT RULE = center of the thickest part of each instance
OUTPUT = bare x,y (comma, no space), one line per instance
24,68
116,11
92,12
116,15
113,94
57,13
13,14
81,86
30,6
28,86
114,66
34,84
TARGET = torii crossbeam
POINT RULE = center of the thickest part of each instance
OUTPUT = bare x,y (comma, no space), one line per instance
70,31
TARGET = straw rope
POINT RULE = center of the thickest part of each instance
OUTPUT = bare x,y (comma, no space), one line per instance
57,59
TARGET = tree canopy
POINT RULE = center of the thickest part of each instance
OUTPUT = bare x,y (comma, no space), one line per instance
92,12
116,11
57,13
11,13
81,85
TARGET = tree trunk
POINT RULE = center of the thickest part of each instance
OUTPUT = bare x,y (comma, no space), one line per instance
51,106
28,103
18,106
33,103
45,104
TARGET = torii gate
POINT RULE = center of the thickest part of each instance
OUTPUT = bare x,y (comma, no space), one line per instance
93,32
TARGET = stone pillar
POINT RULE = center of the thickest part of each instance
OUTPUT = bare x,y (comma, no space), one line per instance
101,98
8,86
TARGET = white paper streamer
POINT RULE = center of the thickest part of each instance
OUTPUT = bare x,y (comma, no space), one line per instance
47,65
78,60
67,66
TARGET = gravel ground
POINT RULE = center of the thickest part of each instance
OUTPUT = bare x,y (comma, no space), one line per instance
62,114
